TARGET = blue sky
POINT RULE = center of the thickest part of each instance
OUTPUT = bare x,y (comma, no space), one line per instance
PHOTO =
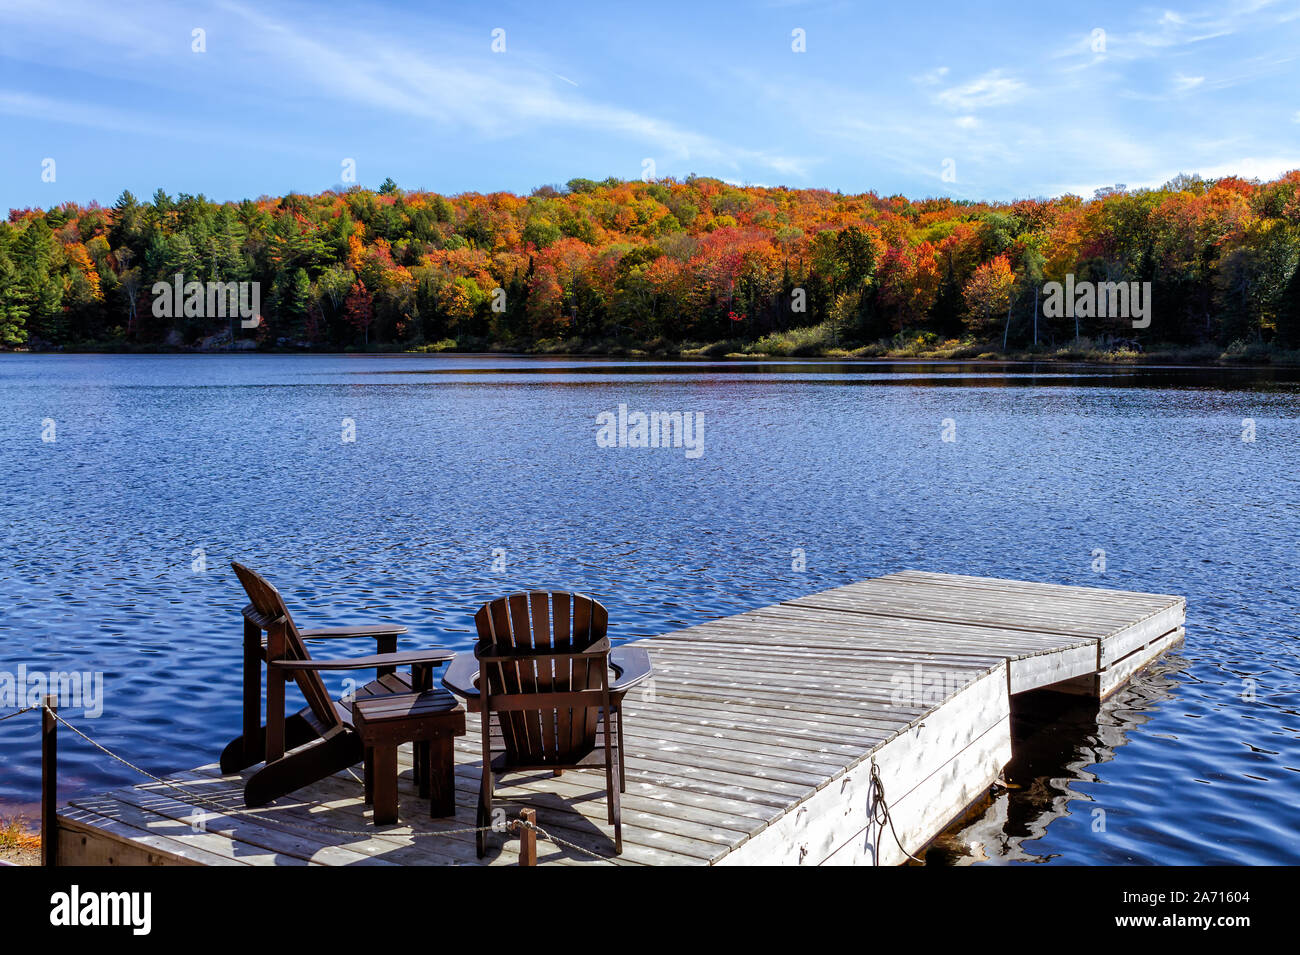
1011,99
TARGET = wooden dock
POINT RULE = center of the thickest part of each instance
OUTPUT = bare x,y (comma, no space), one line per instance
754,744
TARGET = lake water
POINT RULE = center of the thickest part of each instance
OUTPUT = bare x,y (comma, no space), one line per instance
160,462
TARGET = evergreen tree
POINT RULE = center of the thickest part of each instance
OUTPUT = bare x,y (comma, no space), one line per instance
38,289
126,222
13,310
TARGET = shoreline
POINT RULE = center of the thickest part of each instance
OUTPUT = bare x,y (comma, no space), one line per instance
20,842
1194,356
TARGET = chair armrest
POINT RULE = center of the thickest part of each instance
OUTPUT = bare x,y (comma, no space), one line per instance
371,662
461,675
631,667
362,630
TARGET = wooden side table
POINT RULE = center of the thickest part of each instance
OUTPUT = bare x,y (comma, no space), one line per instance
431,719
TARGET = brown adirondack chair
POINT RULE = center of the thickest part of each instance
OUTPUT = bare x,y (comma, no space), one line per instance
548,696
318,740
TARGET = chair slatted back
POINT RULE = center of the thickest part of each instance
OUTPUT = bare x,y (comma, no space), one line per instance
270,613
555,647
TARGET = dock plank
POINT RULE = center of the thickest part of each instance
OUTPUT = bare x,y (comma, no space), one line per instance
753,741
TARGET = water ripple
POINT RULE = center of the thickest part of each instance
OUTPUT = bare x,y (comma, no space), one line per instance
162,460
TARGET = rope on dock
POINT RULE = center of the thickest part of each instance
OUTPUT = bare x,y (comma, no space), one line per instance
880,815
25,709
879,810
564,843
513,825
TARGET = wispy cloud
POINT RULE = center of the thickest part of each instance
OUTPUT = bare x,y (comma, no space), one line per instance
492,97
994,88
1164,33
932,77
97,116
1035,108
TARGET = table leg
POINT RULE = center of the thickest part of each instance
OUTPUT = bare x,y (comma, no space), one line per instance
417,768
385,784
368,776
422,767
442,776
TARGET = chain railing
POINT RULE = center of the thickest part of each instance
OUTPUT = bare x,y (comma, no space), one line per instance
524,827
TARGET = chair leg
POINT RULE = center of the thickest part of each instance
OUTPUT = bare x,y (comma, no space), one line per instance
236,756
485,784
275,680
610,782
622,766
484,816
254,746
317,760
275,735
616,810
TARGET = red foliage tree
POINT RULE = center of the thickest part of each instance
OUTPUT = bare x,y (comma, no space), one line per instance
359,309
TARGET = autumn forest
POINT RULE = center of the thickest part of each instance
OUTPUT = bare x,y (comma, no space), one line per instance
666,265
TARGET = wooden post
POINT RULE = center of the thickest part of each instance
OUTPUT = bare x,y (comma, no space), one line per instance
528,837
49,782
